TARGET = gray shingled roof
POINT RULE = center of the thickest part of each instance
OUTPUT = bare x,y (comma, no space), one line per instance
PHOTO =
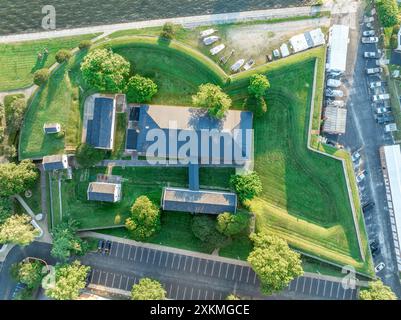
101,191
99,130
53,162
202,201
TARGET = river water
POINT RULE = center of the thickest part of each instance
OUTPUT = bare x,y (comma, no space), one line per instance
19,16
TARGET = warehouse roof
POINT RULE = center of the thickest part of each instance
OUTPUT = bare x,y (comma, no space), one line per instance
335,120
337,48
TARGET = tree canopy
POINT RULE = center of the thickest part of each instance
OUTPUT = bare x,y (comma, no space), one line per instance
6,209
63,55
204,228
16,178
41,76
231,224
388,12
15,114
17,229
148,289
377,291
144,220
168,31
258,84
247,186
274,262
29,273
140,89
65,241
213,98
104,70
88,156
70,280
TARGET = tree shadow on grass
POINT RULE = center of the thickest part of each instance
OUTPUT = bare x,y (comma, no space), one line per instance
40,63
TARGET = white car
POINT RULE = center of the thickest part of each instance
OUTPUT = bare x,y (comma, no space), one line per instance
334,83
209,40
380,97
206,33
380,267
375,84
371,55
383,110
374,70
237,65
370,39
360,177
334,93
336,103
217,49
355,156
368,33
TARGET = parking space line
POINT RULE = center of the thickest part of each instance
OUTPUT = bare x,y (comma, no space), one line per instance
121,278
172,261
240,274
192,261
118,246
192,293
207,263
311,285
338,291
247,276
184,293
122,253
345,291
220,269
331,289
154,256
318,285
296,284
324,289
176,294
212,295
107,276
199,263
126,284
235,268
169,291
165,263
136,249
129,252
206,293
214,262
140,260
227,267
112,283
147,257
97,280
303,287
199,292
160,259
93,272
254,278
179,262
185,263
220,296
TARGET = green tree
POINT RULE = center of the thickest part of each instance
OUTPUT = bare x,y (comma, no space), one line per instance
231,224
29,273
17,178
88,156
140,89
65,241
63,55
84,44
232,296
377,291
247,186
258,85
388,12
214,99
144,220
204,228
15,114
17,229
6,209
41,76
394,41
104,70
274,262
168,31
70,280
148,289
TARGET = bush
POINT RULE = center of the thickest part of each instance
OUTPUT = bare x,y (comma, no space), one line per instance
247,185
214,99
63,55
88,156
140,89
41,76
168,31
204,228
84,44
231,224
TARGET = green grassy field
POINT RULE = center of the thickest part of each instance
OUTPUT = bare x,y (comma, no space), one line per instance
20,60
58,101
119,136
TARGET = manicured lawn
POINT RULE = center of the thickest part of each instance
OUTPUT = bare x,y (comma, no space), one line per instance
138,181
58,101
119,136
34,202
20,60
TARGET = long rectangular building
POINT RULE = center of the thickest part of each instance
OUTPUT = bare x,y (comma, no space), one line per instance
391,164
337,48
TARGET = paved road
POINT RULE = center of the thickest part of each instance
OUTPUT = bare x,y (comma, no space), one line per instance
198,277
364,133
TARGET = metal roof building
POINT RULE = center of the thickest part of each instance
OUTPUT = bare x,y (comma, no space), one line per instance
51,128
233,133
335,120
391,164
201,201
104,191
55,162
337,48
100,129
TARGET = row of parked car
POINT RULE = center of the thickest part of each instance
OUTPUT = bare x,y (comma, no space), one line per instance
104,247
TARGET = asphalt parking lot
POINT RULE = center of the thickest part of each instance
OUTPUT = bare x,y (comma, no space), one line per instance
198,278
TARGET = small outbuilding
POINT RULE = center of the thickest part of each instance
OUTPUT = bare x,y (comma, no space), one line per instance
104,191
55,162
49,128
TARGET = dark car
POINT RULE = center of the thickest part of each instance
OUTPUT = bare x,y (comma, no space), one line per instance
384,119
107,247
100,246
367,206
